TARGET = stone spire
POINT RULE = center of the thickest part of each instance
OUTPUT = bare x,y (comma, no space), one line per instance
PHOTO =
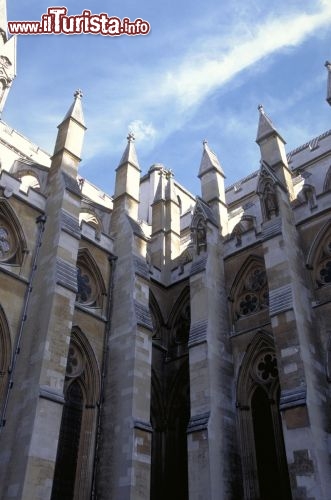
165,241
266,127
130,154
209,161
212,177
7,56
271,143
127,182
273,153
76,110
69,142
328,91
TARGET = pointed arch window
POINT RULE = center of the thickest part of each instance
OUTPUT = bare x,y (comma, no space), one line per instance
73,474
264,461
319,259
12,239
327,181
250,293
5,354
90,284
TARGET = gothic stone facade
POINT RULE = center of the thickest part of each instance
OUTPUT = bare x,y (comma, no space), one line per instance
157,345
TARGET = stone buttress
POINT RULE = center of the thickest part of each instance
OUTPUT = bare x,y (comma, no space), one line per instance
211,430
293,322
124,460
36,398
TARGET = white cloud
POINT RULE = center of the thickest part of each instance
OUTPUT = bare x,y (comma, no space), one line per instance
177,85
164,92
142,131
198,76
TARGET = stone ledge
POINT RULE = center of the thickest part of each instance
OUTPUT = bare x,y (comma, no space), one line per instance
143,426
66,275
51,394
70,224
141,268
143,316
280,300
198,423
198,265
198,333
293,397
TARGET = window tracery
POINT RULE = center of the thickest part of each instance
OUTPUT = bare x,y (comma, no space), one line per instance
5,243
324,267
84,285
90,285
8,243
12,241
254,294
259,422
73,477
75,363
266,367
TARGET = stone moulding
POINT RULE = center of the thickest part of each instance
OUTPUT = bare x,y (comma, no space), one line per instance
290,398
51,394
66,275
143,426
198,333
143,316
271,229
280,300
71,184
141,268
198,423
198,266
70,224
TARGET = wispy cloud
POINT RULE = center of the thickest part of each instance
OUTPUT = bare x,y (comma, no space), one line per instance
156,92
169,97
196,77
142,131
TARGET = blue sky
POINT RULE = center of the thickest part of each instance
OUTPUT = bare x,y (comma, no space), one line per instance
199,74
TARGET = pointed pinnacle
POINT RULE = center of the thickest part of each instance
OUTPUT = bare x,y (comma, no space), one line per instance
265,127
131,137
78,94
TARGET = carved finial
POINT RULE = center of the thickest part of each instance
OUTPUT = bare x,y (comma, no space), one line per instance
260,108
204,142
328,65
131,137
169,173
78,94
